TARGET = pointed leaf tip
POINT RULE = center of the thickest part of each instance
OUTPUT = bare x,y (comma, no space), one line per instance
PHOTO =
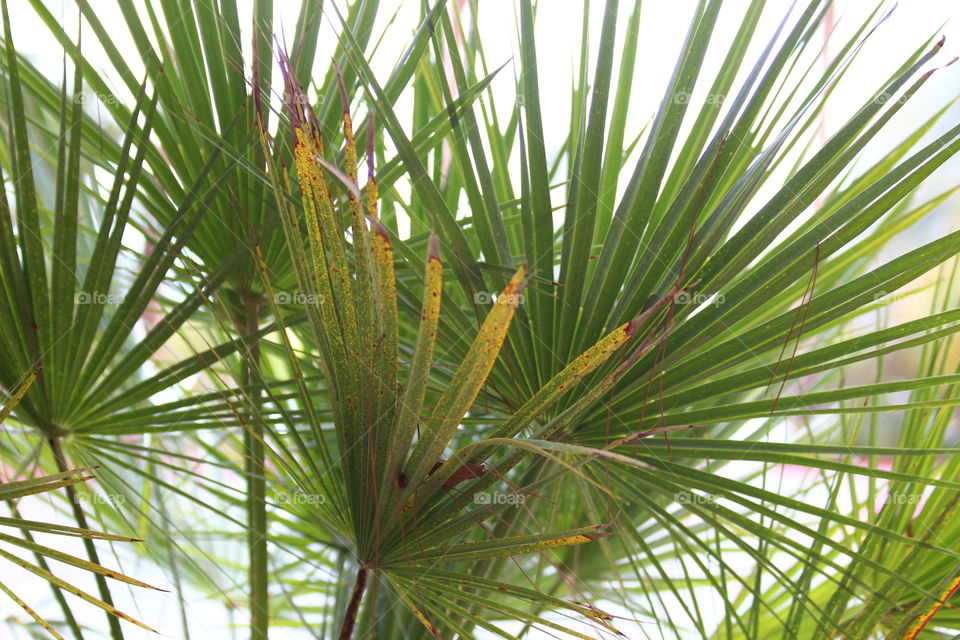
344,101
889,13
340,175
379,229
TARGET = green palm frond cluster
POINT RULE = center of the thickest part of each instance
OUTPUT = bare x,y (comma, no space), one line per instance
377,351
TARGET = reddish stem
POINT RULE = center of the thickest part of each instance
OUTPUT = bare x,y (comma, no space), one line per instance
350,617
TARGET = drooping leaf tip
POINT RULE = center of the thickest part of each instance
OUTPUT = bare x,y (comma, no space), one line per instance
596,536
520,276
935,69
346,180
379,229
433,247
633,326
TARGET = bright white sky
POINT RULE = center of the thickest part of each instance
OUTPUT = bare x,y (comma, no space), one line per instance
663,27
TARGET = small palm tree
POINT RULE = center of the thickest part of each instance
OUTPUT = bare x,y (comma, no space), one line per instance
364,438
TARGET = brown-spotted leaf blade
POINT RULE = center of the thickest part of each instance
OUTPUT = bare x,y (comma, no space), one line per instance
467,381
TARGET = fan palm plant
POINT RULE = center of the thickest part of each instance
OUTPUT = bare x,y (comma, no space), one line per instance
221,107
65,316
390,448
12,492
